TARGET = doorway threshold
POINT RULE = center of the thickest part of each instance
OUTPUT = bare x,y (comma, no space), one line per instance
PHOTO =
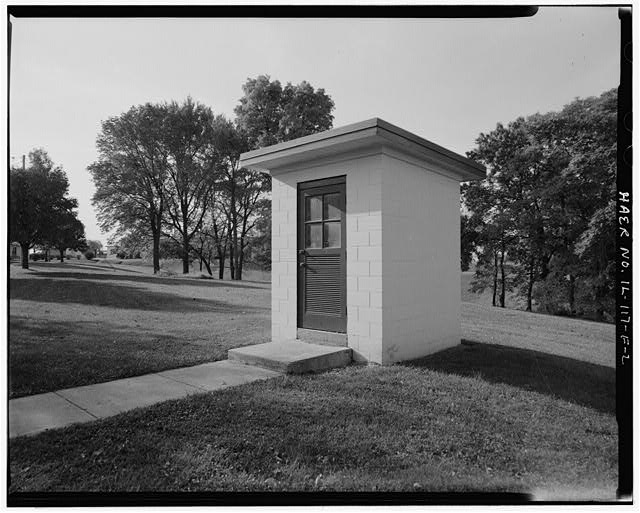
325,338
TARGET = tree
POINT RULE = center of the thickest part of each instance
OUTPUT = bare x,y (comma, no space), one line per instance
240,191
260,111
204,247
135,242
468,237
68,233
305,111
267,114
270,114
95,246
490,219
596,250
513,161
192,168
259,244
579,150
219,230
552,179
36,193
131,172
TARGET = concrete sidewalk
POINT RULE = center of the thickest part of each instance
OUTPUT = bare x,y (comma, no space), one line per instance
34,414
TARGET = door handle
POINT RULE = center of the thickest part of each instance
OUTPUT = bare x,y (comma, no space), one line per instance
302,264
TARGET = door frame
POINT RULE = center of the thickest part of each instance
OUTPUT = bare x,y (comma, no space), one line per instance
302,188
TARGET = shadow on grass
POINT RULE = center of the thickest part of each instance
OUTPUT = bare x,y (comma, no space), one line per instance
143,278
88,292
46,355
73,264
578,382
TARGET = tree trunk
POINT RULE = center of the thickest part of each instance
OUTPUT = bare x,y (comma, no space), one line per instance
25,255
219,248
222,253
232,267
233,249
155,232
495,277
207,265
572,294
240,262
502,280
530,286
544,266
185,255
243,233
156,252
61,255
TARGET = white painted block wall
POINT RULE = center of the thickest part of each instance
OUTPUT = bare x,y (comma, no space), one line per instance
403,256
364,251
421,260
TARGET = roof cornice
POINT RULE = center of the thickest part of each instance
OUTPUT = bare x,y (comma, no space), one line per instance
372,133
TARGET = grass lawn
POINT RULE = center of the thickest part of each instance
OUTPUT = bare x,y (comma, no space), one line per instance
450,422
530,408
77,323
574,338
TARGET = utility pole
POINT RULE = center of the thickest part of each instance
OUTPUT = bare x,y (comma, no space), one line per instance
23,168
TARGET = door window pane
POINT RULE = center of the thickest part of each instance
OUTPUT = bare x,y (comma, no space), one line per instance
332,235
313,235
332,206
313,208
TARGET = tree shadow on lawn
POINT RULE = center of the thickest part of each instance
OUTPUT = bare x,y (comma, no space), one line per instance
575,381
144,278
88,292
94,265
46,355
72,264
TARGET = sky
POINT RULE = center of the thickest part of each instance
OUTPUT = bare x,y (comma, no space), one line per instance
447,80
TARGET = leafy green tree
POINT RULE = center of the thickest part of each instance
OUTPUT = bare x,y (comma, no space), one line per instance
193,164
259,244
170,248
596,250
36,193
67,233
135,241
305,111
579,147
269,113
552,178
514,171
490,218
131,173
240,192
468,237
260,110
95,246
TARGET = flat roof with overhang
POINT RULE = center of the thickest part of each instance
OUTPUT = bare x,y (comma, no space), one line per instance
373,134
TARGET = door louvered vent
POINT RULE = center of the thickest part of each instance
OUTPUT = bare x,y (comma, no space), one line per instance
323,285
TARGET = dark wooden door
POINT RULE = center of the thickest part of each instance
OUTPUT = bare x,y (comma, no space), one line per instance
322,262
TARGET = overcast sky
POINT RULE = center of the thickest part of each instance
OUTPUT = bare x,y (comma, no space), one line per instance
446,80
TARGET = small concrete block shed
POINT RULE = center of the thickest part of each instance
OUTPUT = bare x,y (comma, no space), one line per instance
366,240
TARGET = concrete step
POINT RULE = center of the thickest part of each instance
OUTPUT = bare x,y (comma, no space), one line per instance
292,357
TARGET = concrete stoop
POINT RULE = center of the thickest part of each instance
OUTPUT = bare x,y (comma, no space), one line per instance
292,357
